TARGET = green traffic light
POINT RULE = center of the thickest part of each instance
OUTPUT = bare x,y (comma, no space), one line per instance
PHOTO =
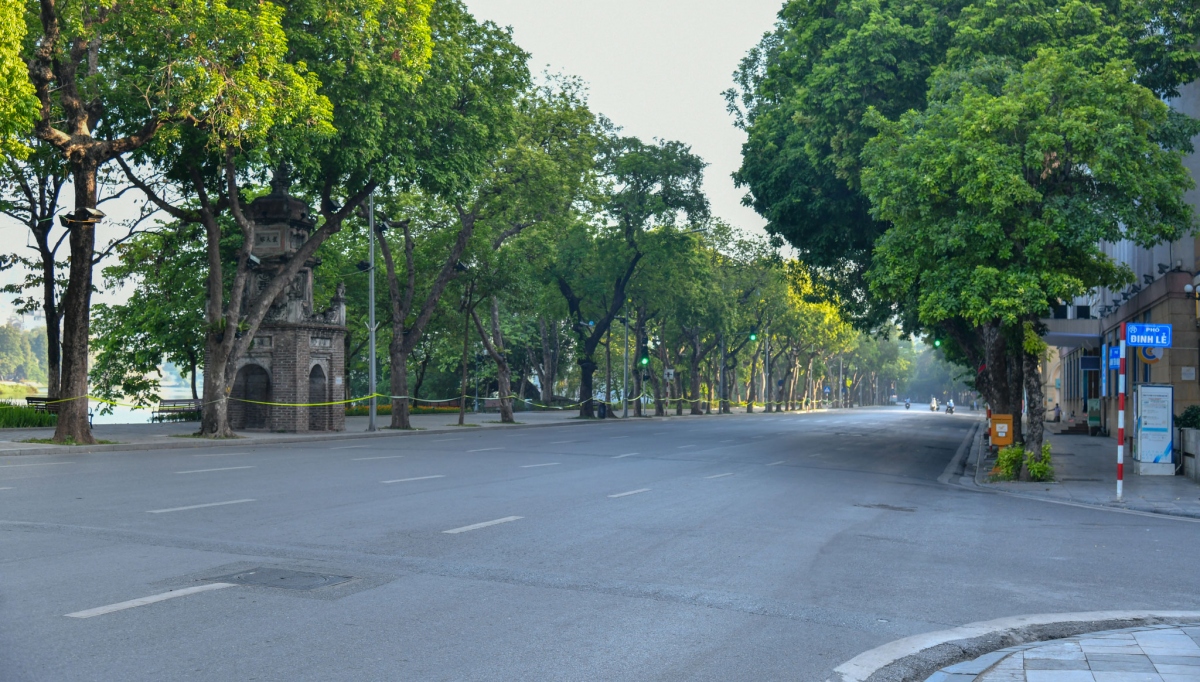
753,337
645,361
937,343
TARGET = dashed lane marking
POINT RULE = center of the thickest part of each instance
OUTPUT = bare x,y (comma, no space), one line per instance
719,475
205,471
351,447
483,449
485,524
121,606
631,492
414,478
547,464
222,454
36,464
364,459
627,454
197,506
775,464
681,447
560,442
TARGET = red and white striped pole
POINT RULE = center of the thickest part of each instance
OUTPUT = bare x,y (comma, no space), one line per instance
1121,418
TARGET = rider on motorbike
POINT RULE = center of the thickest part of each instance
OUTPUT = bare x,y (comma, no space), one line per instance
933,404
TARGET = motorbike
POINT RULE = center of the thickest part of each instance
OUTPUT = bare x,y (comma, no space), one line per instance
933,407
949,409
907,405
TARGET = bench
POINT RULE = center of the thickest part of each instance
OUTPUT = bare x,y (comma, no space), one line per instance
170,407
42,403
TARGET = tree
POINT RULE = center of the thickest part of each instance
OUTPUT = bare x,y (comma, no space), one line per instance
110,79
1001,193
316,109
18,103
163,319
468,112
643,185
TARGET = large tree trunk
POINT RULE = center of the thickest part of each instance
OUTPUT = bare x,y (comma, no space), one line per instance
547,370
53,320
1035,394
694,377
495,348
214,416
73,413
399,386
587,369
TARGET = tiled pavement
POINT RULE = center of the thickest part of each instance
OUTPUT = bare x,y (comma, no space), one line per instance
1163,653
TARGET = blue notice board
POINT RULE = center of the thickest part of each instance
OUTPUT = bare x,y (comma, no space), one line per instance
1114,357
1150,335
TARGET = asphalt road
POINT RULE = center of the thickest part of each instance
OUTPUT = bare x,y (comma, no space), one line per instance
769,547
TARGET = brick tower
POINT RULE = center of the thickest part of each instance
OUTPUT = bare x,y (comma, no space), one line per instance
298,355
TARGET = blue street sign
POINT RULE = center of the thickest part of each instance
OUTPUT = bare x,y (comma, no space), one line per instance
1152,335
1114,357
827,389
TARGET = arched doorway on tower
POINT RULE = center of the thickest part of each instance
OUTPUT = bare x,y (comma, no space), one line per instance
253,385
318,392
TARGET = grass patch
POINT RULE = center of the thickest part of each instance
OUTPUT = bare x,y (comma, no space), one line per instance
70,441
16,416
497,421
10,390
470,425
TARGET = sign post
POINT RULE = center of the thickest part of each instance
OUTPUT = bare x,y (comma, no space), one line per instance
1140,335
1121,417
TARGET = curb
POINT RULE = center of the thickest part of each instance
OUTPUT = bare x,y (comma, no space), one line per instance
914,659
975,484
174,443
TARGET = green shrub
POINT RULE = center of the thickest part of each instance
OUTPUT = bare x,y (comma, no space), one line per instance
1040,470
16,416
1190,419
1008,463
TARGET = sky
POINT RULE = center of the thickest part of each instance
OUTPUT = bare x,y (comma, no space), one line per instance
656,68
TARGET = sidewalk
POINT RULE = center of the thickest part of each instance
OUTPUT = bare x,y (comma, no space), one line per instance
1159,653
1085,469
175,434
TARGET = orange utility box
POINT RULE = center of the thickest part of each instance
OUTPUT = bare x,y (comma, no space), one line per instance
1002,430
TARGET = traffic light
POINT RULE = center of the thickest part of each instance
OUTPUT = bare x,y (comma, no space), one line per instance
937,343
645,360
753,334
643,354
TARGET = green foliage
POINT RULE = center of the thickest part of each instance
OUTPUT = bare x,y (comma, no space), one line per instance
1040,470
22,354
1190,419
18,416
1008,463
18,105
1001,192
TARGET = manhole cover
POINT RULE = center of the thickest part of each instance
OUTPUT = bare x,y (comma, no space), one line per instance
282,578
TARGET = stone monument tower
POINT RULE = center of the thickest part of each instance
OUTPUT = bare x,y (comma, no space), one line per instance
298,355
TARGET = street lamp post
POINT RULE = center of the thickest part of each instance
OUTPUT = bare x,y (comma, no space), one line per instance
625,381
371,426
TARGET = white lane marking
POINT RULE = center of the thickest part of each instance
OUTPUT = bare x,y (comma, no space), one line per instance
414,478
101,610
485,524
8,488
197,506
719,475
38,464
727,441
365,459
616,437
351,447
560,442
530,466
627,454
632,492
205,471
223,454
775,464
483,449
680,447
445,440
